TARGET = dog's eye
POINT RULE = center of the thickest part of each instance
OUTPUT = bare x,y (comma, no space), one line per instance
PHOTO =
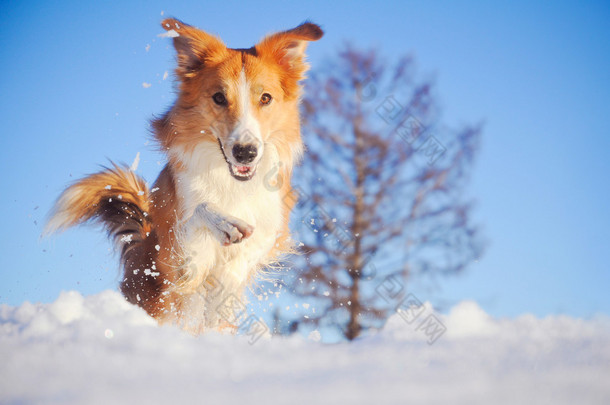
219,98
266,99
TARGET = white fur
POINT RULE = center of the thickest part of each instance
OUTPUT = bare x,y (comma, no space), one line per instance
209,197
247,131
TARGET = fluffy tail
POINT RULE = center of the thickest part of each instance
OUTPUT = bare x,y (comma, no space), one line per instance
116,198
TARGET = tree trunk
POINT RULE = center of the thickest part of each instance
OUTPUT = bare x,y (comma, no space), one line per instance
354,327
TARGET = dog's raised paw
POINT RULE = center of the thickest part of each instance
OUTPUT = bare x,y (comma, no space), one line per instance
235,230
226,229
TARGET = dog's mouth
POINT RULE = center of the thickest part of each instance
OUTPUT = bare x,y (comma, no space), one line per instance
241,173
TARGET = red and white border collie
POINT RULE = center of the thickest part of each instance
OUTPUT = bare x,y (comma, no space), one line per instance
218,212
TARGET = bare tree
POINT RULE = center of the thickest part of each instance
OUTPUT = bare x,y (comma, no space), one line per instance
382,180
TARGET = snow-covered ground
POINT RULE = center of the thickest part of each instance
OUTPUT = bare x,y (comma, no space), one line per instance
100,350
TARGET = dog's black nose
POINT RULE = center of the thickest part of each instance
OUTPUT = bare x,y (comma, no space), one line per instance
244,153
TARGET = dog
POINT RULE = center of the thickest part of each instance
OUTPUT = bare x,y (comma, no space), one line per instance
217,215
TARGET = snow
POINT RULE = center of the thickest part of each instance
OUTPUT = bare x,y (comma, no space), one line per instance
100,349
135,163
169,34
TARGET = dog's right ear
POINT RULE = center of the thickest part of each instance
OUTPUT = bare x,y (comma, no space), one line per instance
194,47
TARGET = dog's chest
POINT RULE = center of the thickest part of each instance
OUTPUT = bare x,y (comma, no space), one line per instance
253,203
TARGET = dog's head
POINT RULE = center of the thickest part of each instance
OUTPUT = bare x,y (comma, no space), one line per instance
241,99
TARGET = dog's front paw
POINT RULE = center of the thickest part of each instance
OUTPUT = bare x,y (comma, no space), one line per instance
231,230
226,229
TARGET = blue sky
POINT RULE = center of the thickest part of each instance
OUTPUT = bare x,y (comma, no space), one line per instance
537,77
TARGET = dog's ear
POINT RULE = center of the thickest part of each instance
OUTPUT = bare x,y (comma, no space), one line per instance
194,47
287,48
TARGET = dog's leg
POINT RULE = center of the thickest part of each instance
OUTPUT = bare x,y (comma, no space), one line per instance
225,228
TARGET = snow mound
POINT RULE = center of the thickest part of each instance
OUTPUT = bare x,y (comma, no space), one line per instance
100,349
